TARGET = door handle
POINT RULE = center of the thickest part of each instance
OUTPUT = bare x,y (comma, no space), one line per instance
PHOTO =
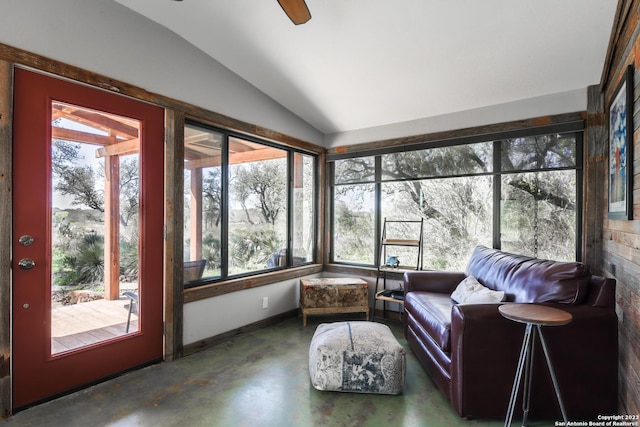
26,263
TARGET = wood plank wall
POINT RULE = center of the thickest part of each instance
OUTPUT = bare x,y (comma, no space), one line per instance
621,239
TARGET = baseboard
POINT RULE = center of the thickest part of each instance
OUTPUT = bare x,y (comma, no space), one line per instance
211,341
389,314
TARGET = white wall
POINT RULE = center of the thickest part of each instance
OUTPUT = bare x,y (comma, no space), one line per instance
104,37
558,103
208,318
215,316
107,38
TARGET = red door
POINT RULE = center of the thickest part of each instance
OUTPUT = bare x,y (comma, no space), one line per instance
87,235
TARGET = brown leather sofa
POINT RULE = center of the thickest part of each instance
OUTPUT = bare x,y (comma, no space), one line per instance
471,351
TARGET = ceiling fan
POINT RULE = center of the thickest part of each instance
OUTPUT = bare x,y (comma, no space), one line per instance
296,10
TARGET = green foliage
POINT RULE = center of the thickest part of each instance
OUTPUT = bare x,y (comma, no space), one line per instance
452,189
353,237
83,265
211,252
129,258
251,247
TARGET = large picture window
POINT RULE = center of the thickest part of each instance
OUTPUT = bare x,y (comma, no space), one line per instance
518,194
249,206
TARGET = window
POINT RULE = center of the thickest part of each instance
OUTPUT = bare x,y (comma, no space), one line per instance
518,194
248,205
538,203
202,202
304,229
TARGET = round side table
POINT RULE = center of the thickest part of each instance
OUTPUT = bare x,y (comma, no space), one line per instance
532,315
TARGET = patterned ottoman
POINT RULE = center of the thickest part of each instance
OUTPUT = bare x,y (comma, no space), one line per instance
362,357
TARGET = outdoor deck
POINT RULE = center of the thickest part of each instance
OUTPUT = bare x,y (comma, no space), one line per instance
86,323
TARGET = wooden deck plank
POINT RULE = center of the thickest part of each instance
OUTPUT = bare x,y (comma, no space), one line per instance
87,316
83,324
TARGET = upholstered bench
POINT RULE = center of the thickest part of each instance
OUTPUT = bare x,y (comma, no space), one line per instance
361,357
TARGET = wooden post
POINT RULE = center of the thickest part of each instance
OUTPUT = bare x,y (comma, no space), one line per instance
195,247
595,179
112,227
174,234
6,120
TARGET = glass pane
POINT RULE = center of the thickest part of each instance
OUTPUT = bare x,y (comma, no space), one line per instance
94,226
202,204
538,214
257,206
539,152
303,208
358,169
438,162
353,227
457,216
409,257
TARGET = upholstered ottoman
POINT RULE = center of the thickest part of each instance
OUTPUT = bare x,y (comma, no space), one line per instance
361,357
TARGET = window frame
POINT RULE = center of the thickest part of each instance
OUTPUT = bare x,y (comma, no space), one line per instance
225,277
575,128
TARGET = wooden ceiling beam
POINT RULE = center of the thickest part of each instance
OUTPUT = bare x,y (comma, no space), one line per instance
96,120
237,158
80,136
123,148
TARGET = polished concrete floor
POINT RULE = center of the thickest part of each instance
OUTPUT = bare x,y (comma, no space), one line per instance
257,379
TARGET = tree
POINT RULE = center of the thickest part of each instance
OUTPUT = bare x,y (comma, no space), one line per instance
74,179
212,196
82,181
451,187
262,184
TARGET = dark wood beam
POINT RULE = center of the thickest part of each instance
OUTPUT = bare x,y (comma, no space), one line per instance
39,62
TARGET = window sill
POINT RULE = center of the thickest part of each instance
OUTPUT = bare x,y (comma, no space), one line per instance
361,271
234,285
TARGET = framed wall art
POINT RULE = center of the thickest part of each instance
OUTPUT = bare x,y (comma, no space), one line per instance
621,149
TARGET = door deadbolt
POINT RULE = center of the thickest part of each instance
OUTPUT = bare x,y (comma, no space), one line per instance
26,240
26,263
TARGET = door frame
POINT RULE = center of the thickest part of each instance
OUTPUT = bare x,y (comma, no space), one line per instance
172,294
6,209
31,340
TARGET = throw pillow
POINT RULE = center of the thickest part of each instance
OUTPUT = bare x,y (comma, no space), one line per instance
470,291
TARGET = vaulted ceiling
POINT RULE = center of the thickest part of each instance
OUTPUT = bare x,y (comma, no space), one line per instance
363,63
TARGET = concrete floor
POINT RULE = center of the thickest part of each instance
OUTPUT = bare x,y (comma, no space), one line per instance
257,379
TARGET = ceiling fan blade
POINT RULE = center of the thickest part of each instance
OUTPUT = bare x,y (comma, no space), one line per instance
296,10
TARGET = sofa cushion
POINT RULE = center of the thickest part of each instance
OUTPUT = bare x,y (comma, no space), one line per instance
530,280
433,311
470,291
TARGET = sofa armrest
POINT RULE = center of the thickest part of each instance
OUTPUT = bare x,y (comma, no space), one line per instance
602,292
485,348
443,282
484,354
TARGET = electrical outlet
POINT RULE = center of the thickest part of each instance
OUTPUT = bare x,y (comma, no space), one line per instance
265,302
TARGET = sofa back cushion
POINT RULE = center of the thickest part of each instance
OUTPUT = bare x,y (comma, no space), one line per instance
530,280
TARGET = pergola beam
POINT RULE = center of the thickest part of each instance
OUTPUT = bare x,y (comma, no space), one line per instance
96,120
121,148
80,136
237,158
